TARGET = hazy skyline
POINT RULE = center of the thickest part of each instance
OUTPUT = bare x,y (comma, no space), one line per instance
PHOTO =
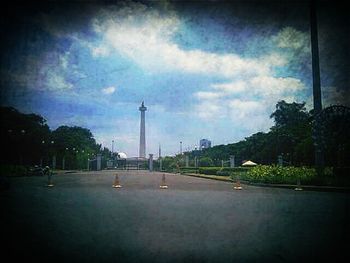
204,69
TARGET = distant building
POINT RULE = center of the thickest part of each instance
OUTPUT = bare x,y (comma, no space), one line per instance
204,144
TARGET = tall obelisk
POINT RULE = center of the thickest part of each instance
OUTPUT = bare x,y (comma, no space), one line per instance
142,149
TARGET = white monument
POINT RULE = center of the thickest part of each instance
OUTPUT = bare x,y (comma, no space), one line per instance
142,149
150,162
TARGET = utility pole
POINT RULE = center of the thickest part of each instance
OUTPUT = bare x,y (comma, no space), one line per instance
316,81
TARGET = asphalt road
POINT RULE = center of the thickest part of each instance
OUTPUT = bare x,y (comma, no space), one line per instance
84,219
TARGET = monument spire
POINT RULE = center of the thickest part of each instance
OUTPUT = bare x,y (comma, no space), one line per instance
142,149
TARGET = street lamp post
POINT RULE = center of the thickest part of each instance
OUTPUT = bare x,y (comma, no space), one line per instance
78,159
64,159
53,156
20,155
112,146
74,158
88,162
41,159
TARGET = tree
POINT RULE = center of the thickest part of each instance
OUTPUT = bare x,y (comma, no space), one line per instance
22,136
205,162
75,144
292,127
289,114
168,162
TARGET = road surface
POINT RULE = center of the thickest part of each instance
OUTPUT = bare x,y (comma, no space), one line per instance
84,219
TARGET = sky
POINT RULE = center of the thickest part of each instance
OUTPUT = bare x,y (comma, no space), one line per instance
205,69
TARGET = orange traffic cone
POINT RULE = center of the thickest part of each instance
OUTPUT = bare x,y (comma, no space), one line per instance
49,179
116,182
163,184
298,188
237,185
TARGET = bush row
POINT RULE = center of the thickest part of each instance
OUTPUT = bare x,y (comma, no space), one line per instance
188,170
279,175
226,171
276,174
209,170
223,171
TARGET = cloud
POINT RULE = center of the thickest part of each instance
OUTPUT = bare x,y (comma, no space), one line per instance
249,99
208,95
252,115
268,86
144,35
55,81
289,37
209,110
246,88
108,90
47,71
295,47
248,102
247,114
260,86
53,71
99,51
231,88
245,106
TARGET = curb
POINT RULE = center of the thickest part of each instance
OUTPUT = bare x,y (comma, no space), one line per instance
70,172
217,179
288,186
304,187
64,172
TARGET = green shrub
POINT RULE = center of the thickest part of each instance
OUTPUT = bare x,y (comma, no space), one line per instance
209,170
206,161
188,170
223,173
236,169
280,175
228,171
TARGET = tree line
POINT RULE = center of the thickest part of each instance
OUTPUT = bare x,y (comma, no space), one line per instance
291,137
26,139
